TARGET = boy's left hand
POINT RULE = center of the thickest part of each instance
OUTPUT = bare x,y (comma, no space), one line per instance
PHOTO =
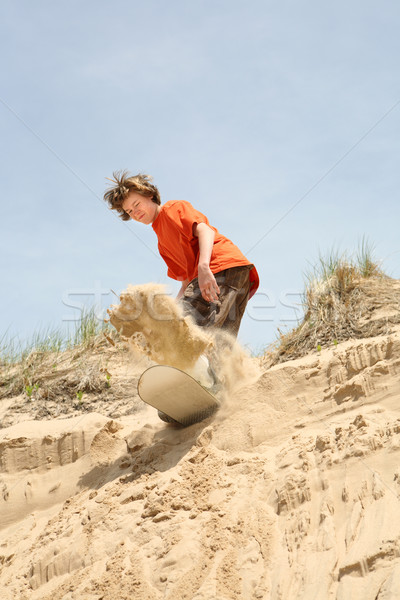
207,284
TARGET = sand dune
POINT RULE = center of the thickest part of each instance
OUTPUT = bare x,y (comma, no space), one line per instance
290,492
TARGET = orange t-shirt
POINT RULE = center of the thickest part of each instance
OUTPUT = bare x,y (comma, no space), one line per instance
179,247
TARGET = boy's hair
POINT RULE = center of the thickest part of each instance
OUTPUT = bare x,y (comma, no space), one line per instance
123,183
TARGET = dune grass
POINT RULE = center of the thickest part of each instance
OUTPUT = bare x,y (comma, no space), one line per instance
25,366
53,340
343,269
341,300
12,350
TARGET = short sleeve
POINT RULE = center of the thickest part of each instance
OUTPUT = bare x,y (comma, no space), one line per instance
186,217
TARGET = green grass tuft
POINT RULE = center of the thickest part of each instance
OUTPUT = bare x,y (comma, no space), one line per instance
53,340
341,294
88,329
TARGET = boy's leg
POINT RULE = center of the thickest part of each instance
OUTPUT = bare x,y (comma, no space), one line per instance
224,315
227,313
237,283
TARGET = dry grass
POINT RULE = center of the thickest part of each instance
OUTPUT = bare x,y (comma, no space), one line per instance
343,299
51,367
96,375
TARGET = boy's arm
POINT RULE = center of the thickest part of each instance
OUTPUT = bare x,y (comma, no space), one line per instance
207,283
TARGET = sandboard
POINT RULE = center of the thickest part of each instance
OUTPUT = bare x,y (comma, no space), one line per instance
176,394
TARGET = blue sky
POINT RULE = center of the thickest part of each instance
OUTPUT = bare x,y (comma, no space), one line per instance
279,121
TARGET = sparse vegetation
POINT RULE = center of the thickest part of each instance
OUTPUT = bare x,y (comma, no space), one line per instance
54,364
88,329
29,389
108,377
367,267
345,297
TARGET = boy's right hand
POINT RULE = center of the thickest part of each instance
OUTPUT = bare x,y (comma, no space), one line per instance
207,284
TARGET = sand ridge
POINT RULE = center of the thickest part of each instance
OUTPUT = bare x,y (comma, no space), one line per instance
291,491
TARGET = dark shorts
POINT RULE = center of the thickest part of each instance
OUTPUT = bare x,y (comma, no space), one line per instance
227,313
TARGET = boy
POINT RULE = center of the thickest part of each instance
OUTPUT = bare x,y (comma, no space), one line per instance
217,279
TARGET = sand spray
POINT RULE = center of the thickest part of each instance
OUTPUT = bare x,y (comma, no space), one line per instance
153,324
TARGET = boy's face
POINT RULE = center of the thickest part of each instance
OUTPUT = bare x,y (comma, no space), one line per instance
140,208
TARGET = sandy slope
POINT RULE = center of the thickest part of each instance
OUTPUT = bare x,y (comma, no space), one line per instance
290,492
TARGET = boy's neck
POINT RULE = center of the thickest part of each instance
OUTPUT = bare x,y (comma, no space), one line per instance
157,212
